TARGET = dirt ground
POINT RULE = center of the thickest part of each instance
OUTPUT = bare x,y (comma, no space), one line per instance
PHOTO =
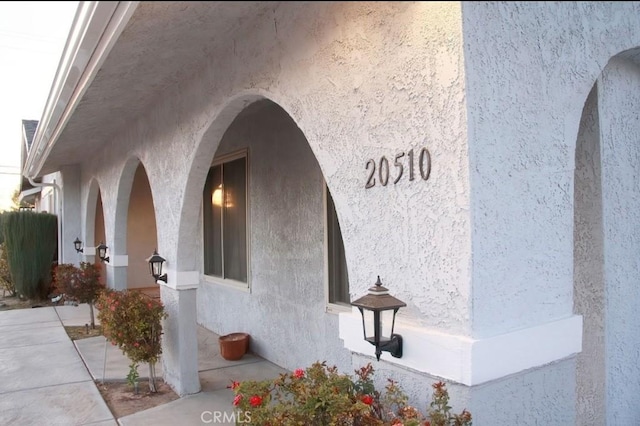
119,396
122,400
14,302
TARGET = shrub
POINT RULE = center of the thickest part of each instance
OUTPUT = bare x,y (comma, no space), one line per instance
321,396
30,240
133,321
6,283
2,217
81,284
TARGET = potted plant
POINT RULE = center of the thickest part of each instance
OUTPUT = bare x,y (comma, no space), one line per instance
233,346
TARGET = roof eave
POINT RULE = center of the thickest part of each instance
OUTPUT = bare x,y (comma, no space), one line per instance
94,31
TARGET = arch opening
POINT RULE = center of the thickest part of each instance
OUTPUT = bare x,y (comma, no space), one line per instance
270,242
141,236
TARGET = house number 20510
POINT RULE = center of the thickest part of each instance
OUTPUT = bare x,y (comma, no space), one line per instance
384,168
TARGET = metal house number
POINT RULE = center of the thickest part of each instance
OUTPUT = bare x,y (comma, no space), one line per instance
384,173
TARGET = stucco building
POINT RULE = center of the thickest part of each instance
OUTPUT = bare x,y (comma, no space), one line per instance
482,158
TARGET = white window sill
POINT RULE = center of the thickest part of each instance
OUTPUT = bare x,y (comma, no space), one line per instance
233,284
334,308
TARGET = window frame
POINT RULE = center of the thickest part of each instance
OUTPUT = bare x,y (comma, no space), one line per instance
229,282
331,307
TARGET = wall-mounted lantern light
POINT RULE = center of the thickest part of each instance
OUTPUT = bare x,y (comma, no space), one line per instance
378,309
155,266
78,246
102,252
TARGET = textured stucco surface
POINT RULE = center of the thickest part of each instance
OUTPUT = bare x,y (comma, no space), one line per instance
588,269
484,247
536,397
71,222
618,100
530,67
328,67
180,341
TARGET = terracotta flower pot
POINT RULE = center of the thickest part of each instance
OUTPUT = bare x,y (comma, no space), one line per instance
233,346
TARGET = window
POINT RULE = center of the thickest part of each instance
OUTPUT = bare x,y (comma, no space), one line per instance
338,279
225,219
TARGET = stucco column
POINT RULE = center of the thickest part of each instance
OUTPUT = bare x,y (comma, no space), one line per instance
117,272
617,335
180,340
70,214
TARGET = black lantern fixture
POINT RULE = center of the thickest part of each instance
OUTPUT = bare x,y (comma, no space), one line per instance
78,246
155,266
380,305
102,252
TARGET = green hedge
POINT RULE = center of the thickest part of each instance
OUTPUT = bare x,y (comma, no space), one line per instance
2,216
31,240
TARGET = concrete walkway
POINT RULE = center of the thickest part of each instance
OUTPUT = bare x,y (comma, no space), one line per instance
42,377
45,378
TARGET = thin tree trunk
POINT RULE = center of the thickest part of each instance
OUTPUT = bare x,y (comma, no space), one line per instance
152,377
93,320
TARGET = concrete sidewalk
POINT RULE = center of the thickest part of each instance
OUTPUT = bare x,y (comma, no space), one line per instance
43,379
59,381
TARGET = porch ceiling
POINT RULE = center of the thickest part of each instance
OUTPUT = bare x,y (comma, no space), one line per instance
162,43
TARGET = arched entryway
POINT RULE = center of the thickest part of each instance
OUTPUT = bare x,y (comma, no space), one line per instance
135,233
100,236
262,234
94,227
141,234
607,247
265,240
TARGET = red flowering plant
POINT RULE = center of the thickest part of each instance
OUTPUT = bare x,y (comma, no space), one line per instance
133,321
321,396
81,284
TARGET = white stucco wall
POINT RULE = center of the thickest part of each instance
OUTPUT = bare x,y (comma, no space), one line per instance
48,200
618,99
542,62
320,68
367,80
530,67
589,268
69,183
328,65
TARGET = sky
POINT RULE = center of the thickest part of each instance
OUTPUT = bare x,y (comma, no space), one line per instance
32,38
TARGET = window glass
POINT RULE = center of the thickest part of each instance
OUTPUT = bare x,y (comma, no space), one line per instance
213,222
338,277
235,220
225,220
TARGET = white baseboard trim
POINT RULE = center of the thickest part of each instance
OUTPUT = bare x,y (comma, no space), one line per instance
472,361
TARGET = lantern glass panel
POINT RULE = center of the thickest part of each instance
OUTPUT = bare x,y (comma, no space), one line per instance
386,320
156,269
368,325
385,325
